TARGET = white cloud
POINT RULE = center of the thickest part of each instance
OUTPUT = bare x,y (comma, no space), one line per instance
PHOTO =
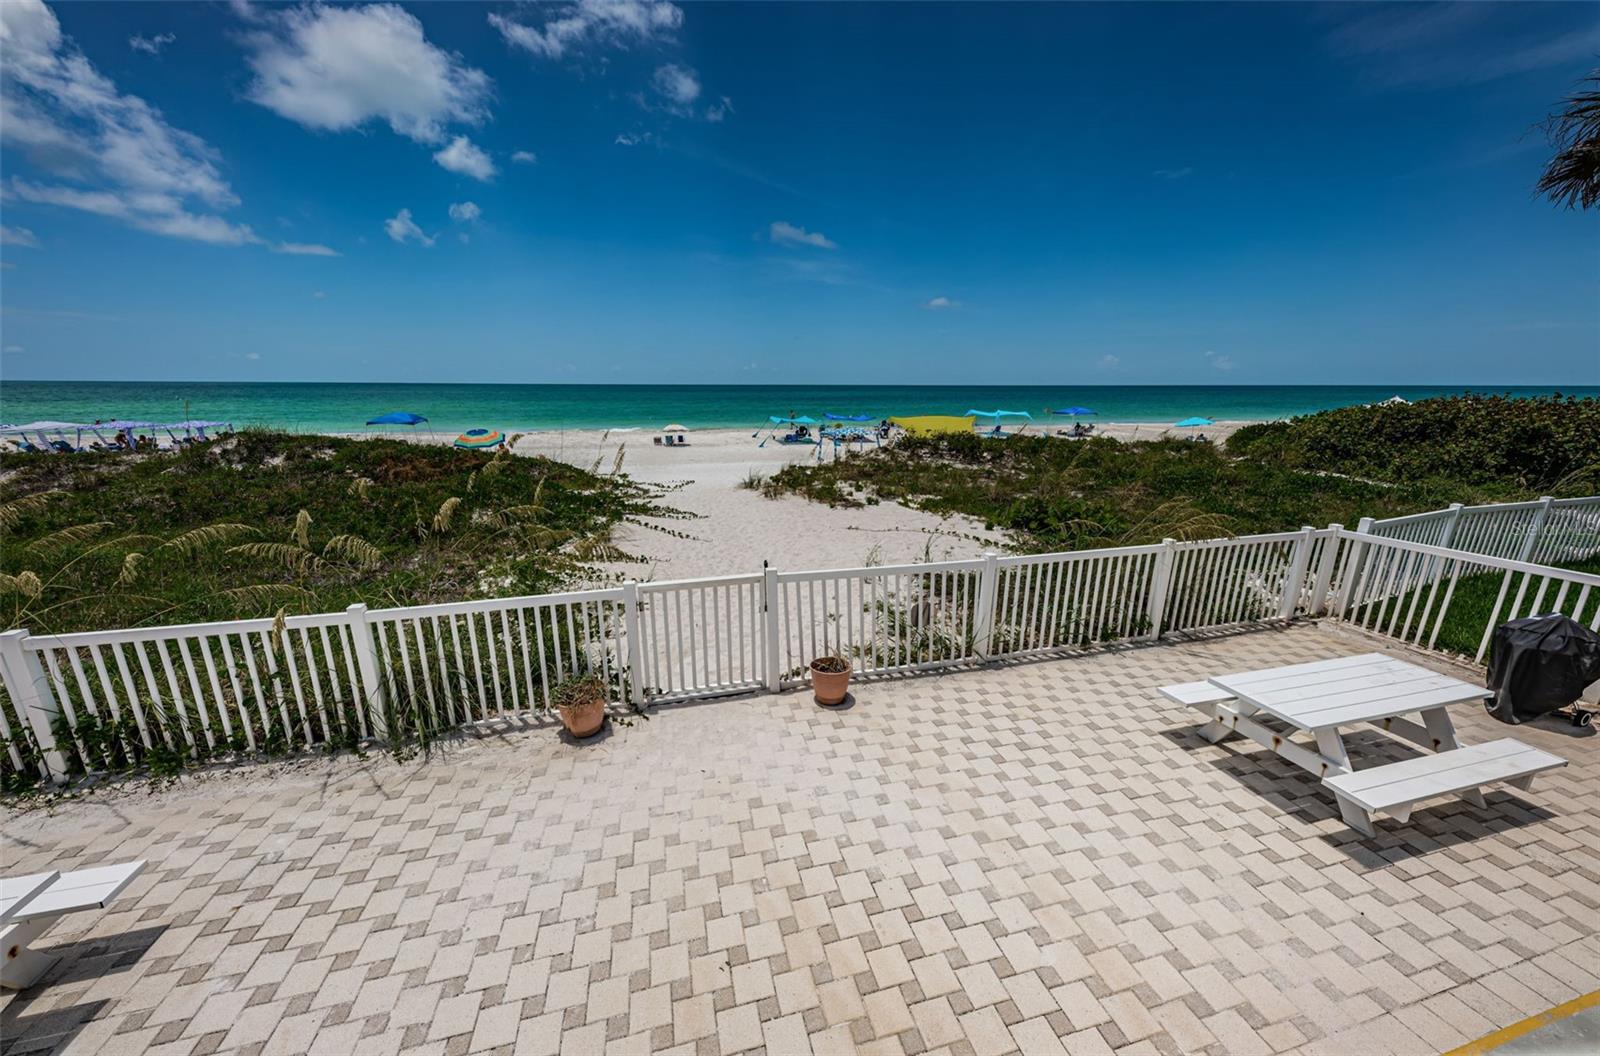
680,85
785,233
151,45
318,295
1219,361
632,139
941,303
305,249
337,68
464,212
719,110
1173,174
592,23
1110,362
525,157
1440,45
402,228
18,236
252,355
464,157
120,157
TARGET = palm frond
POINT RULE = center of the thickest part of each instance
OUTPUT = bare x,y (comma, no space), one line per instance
361,486
302,529
1572,177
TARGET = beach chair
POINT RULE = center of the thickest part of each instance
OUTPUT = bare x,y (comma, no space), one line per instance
74,892
657,439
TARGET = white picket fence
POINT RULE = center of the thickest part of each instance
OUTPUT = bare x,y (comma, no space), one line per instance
1542,531
105,699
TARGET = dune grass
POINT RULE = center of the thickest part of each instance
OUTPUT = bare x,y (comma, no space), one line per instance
1051,493
261,523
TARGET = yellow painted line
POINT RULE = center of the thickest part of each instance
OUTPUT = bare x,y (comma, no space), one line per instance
1489,1042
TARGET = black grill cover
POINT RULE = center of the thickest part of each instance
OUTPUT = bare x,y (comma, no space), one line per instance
1538,664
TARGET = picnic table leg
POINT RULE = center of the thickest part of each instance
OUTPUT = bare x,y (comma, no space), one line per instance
1356,817
1443,734
22,967
1331,747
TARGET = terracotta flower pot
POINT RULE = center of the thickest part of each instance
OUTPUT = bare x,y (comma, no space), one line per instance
829,687
584,719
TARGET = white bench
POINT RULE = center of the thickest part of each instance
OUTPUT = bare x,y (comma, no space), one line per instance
71,892
1396,787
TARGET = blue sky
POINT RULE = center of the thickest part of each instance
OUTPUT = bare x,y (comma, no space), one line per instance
764,193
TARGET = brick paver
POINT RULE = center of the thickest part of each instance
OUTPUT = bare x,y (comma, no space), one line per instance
987,861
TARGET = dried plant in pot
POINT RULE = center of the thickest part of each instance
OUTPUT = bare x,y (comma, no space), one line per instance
830,678
580,700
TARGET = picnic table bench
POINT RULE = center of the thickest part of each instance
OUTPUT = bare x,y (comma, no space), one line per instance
47,902
1323,696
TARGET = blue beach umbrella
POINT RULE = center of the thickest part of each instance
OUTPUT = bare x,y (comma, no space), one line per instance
1075,411
1193,423
397,418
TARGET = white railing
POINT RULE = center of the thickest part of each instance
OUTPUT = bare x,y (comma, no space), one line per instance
1542,531
1439,598
107,699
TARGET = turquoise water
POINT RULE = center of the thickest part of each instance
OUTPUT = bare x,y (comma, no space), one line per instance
321,407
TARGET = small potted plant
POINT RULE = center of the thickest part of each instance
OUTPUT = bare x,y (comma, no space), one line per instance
580,700
830,678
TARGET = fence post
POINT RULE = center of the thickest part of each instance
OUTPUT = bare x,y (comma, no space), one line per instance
1356,555
630,624
1534,529
35,702
1447,536
1156,606
769,610
1299,561
983,618
371,671
1324,580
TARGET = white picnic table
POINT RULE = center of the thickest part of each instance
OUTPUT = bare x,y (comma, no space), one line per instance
1324,697
17,891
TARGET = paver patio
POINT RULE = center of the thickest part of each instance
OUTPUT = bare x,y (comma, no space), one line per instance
1036,858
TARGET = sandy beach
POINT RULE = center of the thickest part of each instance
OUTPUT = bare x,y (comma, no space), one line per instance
735,528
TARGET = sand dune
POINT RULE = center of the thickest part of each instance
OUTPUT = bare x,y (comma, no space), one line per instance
734,528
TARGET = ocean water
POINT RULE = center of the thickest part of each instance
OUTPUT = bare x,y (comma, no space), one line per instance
322,407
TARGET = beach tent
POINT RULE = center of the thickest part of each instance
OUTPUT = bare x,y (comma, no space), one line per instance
1001,414
198,428
1193,423
934,424
794,424
397,418
475,439
39,429
996,431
